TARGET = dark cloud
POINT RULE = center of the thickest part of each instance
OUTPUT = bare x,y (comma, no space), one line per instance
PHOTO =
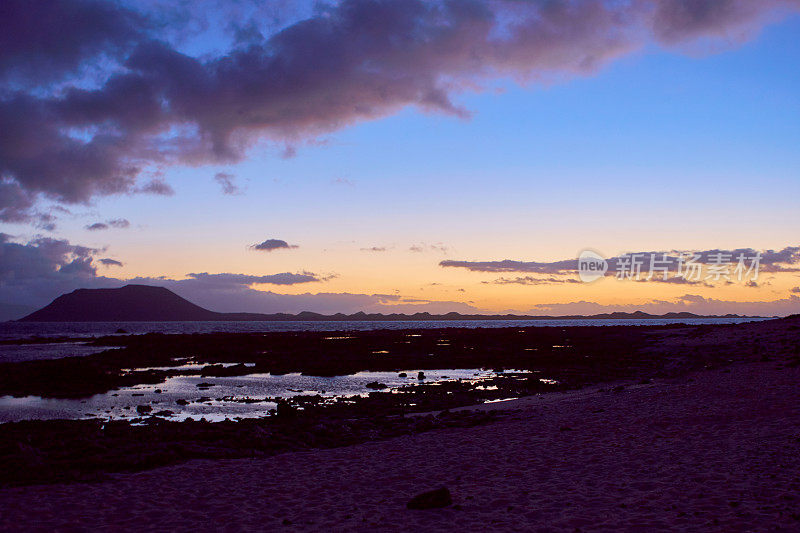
110,262
119,223
157,187
227,182
273,244
785,260
147,104
43,41
35,272
284,278
507,265
97,226
678,21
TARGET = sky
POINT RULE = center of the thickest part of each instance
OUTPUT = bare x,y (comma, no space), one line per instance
403,156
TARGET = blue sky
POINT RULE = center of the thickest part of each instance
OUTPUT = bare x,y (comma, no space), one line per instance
649,149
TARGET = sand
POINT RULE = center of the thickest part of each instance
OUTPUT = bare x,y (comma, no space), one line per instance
718,450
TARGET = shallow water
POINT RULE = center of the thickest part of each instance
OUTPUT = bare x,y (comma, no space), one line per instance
224,399
10,353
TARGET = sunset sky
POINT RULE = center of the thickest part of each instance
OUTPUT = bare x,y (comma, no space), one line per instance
389,154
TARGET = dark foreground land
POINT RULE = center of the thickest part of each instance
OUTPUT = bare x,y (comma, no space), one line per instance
89,450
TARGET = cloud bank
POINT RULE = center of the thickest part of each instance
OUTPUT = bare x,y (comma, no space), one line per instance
784,260
97,95
34,273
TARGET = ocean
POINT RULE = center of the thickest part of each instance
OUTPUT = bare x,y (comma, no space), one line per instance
21,330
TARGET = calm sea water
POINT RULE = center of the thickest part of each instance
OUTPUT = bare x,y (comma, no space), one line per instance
17,330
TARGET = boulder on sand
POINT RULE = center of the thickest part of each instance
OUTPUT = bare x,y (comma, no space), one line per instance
433,499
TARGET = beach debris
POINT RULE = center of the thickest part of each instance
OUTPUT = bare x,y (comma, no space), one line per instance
433,499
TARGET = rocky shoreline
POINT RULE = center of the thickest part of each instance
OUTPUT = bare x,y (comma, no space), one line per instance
88,450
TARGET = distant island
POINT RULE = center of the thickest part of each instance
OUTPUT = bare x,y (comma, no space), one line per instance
145,303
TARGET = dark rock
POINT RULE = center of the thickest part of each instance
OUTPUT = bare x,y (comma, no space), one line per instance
165,412
285,410
434,499
142,409
402,375
421,375
182,402
376,385
120,330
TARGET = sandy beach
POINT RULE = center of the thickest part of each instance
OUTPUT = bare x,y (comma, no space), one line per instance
717,450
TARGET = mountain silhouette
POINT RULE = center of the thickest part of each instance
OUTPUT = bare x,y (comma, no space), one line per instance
131,303
146,303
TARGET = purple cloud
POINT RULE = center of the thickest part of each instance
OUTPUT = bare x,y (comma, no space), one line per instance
119,223
97,226
227,182
530,280
150,104
784,260
271,245
157,187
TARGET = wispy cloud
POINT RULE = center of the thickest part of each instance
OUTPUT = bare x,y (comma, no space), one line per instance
424,247
228,183
118,223
531,280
